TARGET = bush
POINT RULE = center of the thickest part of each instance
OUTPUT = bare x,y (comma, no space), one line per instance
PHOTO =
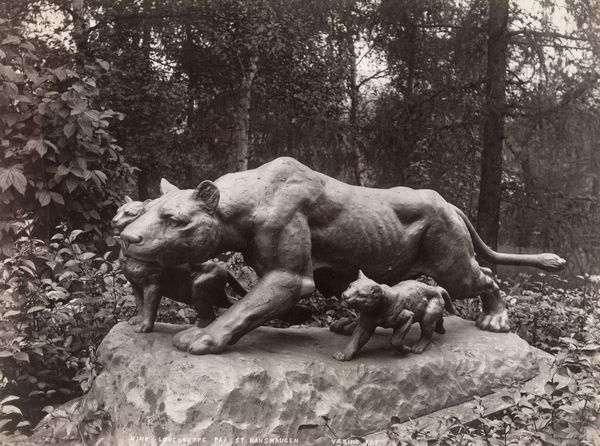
60,163
59,299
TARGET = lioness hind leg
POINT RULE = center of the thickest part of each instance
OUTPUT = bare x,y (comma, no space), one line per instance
494,316
467,279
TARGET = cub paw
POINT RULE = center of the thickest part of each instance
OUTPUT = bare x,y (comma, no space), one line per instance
497,322
403,349
343,356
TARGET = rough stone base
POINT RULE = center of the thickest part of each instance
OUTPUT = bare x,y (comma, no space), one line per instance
275,380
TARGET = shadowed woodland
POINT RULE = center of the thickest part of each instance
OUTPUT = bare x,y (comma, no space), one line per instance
494,104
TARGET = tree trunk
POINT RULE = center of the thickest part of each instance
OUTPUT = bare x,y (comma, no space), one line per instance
79,27
360,163
493,129
242,125
142,184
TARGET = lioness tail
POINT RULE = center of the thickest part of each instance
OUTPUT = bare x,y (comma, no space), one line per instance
546,261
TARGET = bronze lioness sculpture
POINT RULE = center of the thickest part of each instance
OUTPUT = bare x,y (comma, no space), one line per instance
202,287
396,307
299,229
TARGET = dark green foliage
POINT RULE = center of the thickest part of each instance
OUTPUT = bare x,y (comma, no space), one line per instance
59,160
58,300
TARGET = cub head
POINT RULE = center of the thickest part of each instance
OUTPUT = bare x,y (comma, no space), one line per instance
179,227
363,294
128,212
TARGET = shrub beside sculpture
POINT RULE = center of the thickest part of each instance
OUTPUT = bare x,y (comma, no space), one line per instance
300,230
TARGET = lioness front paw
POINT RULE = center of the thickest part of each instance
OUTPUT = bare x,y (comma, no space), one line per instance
144,327
343,355
197,342
494,322
135,320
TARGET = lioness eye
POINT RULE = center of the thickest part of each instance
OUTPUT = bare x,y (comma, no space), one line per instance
174,221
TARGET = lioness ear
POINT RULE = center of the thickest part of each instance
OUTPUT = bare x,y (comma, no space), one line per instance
128,199
166,187
376,292
208,193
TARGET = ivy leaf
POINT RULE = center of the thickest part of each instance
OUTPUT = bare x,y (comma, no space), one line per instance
37,145
69,129
11,409
104,64
9,398
13,176
21,356
71,184
11,89
43,197
57,197
10,39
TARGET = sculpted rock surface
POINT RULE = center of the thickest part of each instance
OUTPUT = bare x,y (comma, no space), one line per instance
276,380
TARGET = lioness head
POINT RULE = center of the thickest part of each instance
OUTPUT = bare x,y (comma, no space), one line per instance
363,294
181,226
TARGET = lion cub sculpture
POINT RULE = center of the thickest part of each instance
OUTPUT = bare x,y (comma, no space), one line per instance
396,307
201,286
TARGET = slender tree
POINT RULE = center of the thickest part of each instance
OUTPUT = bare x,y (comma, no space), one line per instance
490,192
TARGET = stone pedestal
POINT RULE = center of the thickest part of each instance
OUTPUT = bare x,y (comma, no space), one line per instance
273,381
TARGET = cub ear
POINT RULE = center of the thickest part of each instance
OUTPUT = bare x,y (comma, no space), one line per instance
361,275
166,187
128,199
208,193
395,420
147,201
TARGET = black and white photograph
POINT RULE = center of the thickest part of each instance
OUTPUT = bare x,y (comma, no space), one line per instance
300,222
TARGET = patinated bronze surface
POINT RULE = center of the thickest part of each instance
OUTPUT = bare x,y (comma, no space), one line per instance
396,307
297,228
202,287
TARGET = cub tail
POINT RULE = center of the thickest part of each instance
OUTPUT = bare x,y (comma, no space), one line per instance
236,285
448,305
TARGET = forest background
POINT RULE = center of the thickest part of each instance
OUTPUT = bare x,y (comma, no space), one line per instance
494,104
378,93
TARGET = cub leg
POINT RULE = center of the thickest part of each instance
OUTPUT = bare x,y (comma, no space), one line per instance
138,293
362,333
434,312
152,297
344,326
439,327
397,338
206,292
